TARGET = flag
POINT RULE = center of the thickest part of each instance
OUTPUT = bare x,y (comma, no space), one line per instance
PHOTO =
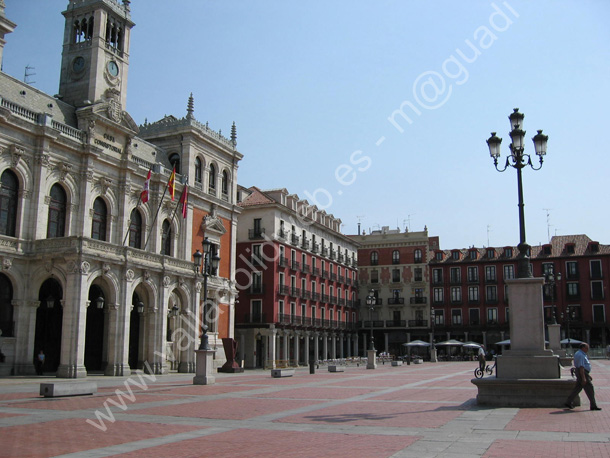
184,199
144,193
171,184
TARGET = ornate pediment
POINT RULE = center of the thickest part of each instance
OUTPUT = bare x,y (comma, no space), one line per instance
212,225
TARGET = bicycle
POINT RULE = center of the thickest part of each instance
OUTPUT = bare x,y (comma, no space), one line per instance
478,373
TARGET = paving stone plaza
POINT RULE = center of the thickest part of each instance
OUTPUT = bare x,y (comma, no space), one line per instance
423,410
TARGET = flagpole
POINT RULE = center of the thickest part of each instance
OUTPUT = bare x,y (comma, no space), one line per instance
127,233
156,214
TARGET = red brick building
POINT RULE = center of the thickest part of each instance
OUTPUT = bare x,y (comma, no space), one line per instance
470,299
297,276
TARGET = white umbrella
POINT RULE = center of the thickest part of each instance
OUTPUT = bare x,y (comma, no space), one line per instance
450,343
416,343
471,345
570,341
507,342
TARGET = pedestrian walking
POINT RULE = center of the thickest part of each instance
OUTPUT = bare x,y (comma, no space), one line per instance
583,379
40,362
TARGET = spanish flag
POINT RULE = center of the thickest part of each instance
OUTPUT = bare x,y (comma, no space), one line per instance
171,184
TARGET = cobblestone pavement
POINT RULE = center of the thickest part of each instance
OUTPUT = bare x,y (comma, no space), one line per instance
426,410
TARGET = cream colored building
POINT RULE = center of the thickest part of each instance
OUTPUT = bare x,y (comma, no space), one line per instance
90,274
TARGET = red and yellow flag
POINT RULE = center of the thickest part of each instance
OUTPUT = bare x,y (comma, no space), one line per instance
184,199
171,184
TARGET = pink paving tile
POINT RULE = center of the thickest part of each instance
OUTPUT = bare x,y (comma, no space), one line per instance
506,448
76,435
93,402
11,396
317,393
226,409
579,420
206,390
251,442
427,394
7,415
387,414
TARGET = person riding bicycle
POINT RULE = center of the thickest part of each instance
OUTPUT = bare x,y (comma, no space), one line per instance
481,357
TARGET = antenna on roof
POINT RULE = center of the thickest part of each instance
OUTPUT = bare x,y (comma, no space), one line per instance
488,231
28,72
548,223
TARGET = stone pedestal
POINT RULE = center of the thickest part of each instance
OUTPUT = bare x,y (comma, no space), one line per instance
527,375
371,362
554,340
203,370
433,357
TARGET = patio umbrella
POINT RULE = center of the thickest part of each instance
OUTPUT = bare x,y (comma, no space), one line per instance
507,342
450,343
471,345
571,342
416,343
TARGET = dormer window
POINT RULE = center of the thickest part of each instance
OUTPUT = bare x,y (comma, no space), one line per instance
473,254
491,253
508,252
570,248
594,247
439,256
455,255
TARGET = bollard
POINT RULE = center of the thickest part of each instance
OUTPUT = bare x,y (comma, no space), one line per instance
312,366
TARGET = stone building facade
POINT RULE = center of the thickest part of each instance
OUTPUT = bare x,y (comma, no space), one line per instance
97,279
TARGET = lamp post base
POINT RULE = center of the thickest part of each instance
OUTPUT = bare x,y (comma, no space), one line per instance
203,369
372,359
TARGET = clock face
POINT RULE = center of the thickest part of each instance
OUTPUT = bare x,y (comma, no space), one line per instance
78,64
113,68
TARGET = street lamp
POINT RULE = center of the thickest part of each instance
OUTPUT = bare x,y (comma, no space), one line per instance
432,323
207,264
518,160
371,301
550,278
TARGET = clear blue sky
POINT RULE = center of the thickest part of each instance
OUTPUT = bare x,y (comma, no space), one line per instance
311,86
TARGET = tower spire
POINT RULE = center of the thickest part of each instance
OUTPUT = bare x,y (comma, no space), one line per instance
190,107
234,134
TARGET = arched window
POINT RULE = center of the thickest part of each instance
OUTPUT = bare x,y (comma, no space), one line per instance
212,180
374,258
395,257
98,228
56,225
6,306
225,184
174,160
166,238
135,229
9,191
418,255
198,171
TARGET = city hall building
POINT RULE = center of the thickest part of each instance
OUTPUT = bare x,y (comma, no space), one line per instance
96,272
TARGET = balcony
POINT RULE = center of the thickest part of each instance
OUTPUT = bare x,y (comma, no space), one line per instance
305,294
294,239
305,268
418,323
305,244
418,300
325,274
315,248
333,276
457,301
438,282
256,261
341,258
491,280
315,296
283,261
295,265
396,323
295,292
325,297
324,251
315,271
341,278
256,234
333,254
396,301
256,318
257,289
473,279
283,290
281,234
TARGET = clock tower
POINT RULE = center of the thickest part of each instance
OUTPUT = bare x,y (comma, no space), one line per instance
95,57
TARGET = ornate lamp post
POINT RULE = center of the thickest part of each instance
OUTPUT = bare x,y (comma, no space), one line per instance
518,160
207,264
433,345
371,301
550,278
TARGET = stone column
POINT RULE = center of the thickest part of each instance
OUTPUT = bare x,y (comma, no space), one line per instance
356,345
341,344
74,322
306,347
271,348
316,346
333,346
117,345
349,338
485,338
191,334
324,346
25,331
386,342
296,348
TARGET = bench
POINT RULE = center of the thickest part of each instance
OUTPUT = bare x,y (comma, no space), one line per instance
396,363
53,390
336,369
277,373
